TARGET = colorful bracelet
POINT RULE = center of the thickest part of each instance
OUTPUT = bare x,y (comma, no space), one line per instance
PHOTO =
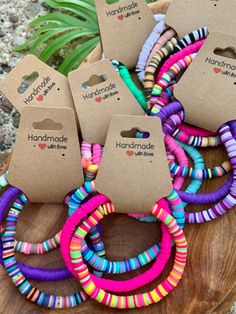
148,46
227,134
118,286
153,65
170,33
194,130
138,94
196,141
180,134
43,247
134,301
208,173
176,57
192,188
34,272
208,198
24,286
168,77
196,35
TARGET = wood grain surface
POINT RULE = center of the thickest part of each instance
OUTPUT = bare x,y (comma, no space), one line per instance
209,282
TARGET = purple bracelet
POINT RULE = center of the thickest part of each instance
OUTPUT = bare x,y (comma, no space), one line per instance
171,116
227,133
207,198
31,272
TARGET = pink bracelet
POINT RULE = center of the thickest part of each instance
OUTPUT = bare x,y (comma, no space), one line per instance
181,158
193,48
194,131
138,300
112,285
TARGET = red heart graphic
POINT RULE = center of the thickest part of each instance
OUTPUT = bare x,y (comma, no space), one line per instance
217,70
130,153
42,146
120,17
40,98
98,99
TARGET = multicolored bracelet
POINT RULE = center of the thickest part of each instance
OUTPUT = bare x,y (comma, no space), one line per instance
176,57
228,135
148,46
24,286
134,301
153,65
187,40
118,286
162,41
34,272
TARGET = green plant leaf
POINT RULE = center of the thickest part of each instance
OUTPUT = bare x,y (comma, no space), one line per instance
77,3
59,30
61,18
73,60
61,42
88,15
41,30
46,36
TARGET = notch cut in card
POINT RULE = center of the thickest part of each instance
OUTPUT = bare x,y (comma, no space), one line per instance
229,52
130,165
47,125
135,133
94,80
27,81
50,166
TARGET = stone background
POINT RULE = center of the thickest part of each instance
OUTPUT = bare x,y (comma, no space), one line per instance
14,18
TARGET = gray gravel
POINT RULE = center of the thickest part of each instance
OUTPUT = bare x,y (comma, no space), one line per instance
14,18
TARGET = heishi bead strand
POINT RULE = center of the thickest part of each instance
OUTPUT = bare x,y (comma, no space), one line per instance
138,300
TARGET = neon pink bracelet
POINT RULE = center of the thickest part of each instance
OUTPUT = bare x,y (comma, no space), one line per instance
194,130
112,285
138,300
193,48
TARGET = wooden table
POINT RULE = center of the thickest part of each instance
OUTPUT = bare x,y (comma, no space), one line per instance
209,282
